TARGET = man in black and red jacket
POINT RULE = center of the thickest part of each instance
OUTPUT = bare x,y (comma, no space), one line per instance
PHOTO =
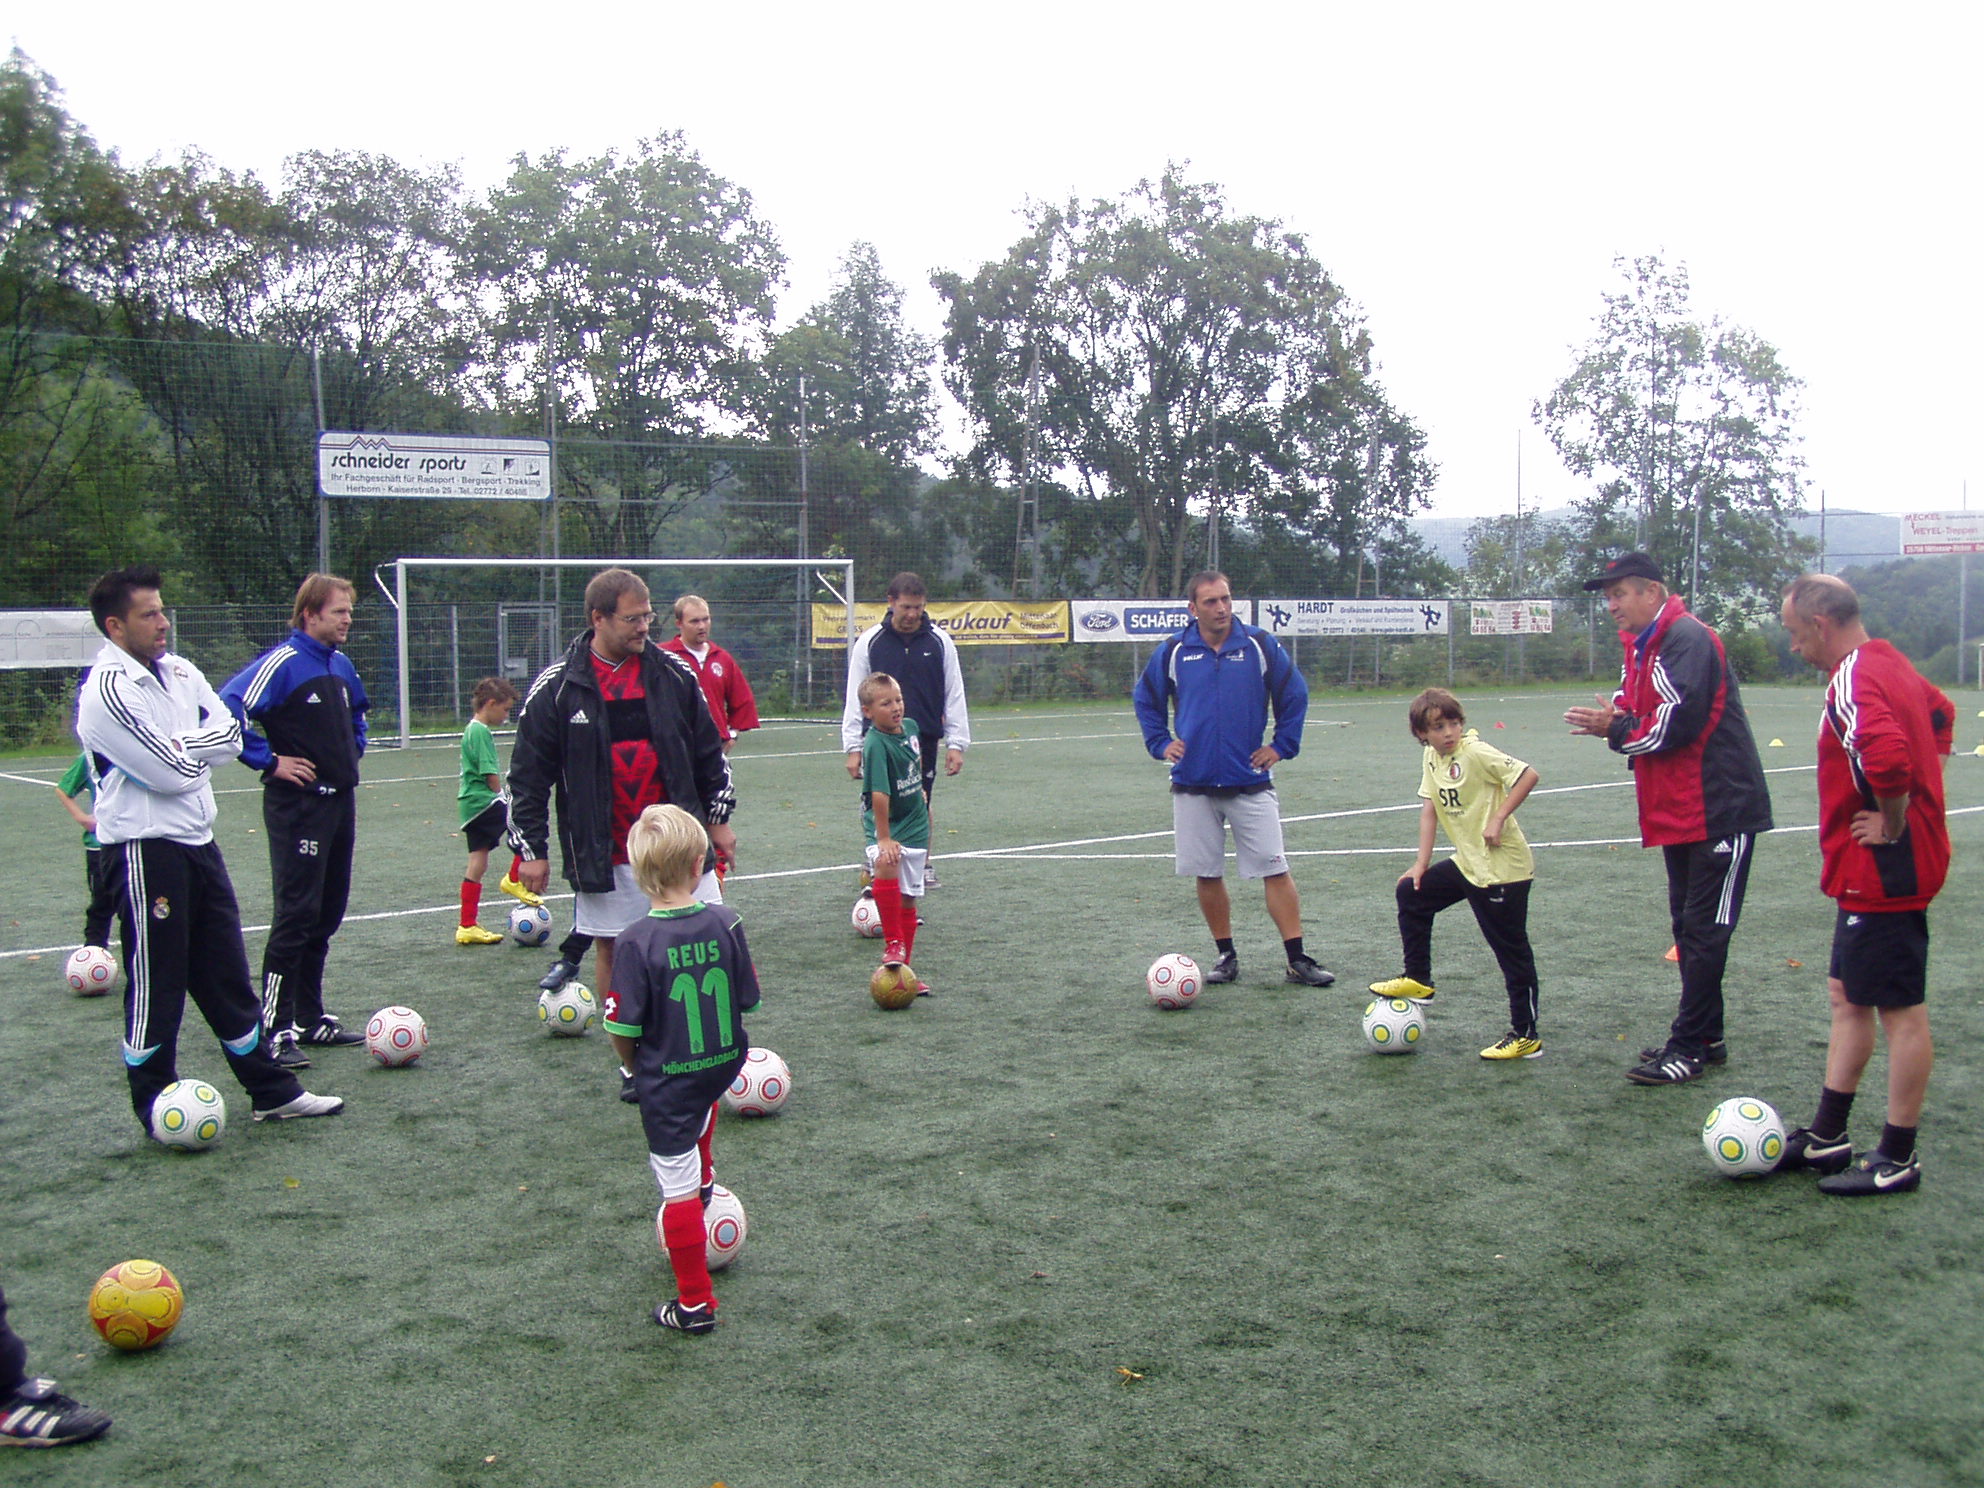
1679,720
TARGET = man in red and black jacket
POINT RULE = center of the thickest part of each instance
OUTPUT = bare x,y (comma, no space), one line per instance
1679,720
1886,851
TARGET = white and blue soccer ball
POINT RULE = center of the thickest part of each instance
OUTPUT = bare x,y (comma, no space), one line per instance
90,971
761,1086
1744,1137
1173,982
569,1011
1393,1025
189,1115
530,924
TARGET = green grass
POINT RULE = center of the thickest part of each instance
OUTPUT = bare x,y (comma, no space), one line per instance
1030,1231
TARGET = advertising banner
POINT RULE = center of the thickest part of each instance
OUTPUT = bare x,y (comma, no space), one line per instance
429,466
1353,617
1137,619
48,638
968,622
1942,532
1510,616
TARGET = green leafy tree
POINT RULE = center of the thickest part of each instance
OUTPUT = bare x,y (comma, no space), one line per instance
1688,431
1525,555
1191,361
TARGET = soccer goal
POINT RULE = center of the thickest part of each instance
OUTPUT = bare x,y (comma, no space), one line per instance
460,619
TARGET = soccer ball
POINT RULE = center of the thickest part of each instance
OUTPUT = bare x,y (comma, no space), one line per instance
189,1114
136,1304
1173,982
569,1011
1393,1025
395,1036
893,987
723,1228
761,1087
867,918
91,971
530,924
1744,1137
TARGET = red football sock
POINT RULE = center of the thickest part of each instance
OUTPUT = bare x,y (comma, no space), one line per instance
516,863
888,904
908,927
682,1231
471,901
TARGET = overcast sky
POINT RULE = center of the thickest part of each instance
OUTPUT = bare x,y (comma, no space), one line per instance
1466,172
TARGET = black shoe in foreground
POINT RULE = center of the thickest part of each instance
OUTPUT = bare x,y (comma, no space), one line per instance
1304,972
1225,969
1803,1151
286,1054
686,1319
562,971
1715,1053
35,1415
627,1092
1875,1173
1671,1068
332,1034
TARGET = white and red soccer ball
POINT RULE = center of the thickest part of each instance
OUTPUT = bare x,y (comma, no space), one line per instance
396,1036
761,1086
724,1228
867,918
1173,982
91,971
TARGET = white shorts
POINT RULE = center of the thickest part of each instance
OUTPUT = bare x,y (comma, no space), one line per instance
1200,822
608,914
910,868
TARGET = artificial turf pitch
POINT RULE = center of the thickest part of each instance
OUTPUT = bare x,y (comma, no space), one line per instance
1030,1231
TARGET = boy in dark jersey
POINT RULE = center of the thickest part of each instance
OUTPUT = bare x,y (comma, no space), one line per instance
895,814
682,976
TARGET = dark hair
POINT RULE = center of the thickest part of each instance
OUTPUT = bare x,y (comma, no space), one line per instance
608,586
1430,707
493,689
314,595
111,595
907,585
1200,579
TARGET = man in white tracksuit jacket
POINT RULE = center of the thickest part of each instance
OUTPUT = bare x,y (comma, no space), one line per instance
152,729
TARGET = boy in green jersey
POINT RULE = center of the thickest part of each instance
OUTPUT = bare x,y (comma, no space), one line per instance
485,816
894,814
96,866
1471,790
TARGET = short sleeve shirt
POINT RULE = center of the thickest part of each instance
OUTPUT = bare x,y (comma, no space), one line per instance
479,762
893,765
73,783
1466,788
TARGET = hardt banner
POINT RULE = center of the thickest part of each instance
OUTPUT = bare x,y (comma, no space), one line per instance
1353,617
968,622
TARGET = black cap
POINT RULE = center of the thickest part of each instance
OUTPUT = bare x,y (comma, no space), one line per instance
1626,566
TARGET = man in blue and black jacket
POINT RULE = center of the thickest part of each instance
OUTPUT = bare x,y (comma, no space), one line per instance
302,713
1222,678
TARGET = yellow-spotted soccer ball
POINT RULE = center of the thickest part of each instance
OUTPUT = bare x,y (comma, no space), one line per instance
1392,1025
569,1011
1744,1137
189,1114
136,1305
893,987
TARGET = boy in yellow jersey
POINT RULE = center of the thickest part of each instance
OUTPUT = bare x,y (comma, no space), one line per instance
1471,790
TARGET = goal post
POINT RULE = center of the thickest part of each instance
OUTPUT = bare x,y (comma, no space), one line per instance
808,573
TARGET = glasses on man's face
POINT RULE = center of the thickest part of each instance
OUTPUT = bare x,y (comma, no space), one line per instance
640,617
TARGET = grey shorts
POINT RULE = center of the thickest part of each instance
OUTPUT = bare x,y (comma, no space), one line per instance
609,914
1200,823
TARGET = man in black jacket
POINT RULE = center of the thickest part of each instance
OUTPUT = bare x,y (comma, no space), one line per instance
613,727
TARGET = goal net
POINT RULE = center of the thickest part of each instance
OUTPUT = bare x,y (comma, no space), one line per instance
459,620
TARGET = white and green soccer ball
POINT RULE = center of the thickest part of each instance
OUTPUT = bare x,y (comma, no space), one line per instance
1392,1025
189,1115
569,1011
1744,1137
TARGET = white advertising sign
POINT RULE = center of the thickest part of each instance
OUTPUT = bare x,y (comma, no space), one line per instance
1353,617
1136,619
1942,532
1510,616
48,638
429,466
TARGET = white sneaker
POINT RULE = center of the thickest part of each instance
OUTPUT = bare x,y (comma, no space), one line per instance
305,1104
930,877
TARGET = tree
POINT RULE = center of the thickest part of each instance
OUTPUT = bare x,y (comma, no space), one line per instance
1521,555
1688,431
640,291
1192,363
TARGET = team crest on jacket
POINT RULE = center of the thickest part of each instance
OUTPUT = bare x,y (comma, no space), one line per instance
161,908
716,669
1453,769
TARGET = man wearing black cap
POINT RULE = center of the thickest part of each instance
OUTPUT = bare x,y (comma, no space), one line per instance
1678,718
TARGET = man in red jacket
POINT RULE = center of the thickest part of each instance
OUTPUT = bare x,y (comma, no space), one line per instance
1886,850
1679,720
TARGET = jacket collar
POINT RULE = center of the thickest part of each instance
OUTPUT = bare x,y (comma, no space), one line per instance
308,645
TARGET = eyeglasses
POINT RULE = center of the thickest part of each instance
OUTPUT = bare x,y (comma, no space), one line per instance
643,617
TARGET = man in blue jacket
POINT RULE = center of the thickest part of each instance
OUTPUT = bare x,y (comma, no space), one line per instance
302,713
1221,678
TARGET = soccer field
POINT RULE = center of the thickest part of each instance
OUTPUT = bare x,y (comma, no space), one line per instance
1030,1231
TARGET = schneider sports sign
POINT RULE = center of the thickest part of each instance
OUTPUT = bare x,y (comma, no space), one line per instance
431,466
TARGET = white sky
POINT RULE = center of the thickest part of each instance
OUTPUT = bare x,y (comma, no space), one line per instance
1466,172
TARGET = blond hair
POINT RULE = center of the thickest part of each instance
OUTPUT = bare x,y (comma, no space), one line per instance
872,686
666,848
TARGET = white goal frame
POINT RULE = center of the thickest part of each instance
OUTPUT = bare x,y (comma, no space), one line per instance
396,596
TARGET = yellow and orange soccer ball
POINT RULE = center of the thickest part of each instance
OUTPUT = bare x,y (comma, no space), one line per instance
893,987
136,1304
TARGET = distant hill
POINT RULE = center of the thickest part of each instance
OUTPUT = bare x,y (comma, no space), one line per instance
1850,537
